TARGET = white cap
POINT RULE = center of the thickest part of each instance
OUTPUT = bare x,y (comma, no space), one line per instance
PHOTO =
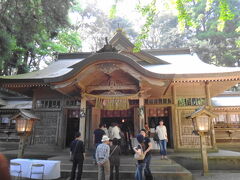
105,138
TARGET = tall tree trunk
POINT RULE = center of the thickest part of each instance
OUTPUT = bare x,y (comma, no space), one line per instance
23,67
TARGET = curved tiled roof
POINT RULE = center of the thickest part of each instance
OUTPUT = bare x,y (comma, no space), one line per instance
179,66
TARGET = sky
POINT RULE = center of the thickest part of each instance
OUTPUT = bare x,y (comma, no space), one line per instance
127,9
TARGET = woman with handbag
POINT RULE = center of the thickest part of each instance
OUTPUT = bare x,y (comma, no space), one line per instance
114,158
139,155
161,131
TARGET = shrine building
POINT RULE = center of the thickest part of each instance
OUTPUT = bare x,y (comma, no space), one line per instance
78,91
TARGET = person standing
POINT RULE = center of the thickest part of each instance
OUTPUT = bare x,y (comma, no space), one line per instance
77,150
114,158
97,137
148,156
102,158
105,129
110,131
161,130
116,133
140,163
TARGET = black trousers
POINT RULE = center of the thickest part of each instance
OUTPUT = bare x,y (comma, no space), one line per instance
77,163
116,172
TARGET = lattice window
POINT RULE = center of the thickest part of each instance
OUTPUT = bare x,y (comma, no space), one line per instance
191,101
227,120
48,104
72,102
158,101
221,119
234,118
7,122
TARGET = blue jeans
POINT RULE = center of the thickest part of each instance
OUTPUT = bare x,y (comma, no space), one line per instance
147,161
139,171
163,147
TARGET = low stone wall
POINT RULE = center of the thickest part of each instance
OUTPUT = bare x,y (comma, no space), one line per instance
214,163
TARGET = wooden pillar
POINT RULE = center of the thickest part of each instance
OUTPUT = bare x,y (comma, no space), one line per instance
204,153
83,119
136,121
21,147
209,104
213,138
141,113
208,95
88,127
176,135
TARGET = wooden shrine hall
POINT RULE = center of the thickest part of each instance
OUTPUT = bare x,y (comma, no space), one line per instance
80,90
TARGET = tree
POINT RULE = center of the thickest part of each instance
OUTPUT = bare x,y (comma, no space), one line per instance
93,26
31,28
213,46
165,34
185,13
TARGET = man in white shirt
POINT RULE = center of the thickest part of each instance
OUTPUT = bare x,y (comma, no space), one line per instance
161,131
116,133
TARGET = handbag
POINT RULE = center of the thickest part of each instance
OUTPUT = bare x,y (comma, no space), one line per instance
72,153
140,156
155,137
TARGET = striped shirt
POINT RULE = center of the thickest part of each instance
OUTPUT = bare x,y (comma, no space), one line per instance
102,153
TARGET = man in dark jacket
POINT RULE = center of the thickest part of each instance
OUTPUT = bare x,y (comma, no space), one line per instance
97,139
77,150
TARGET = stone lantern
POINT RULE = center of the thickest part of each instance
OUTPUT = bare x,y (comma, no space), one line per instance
25,121
202,119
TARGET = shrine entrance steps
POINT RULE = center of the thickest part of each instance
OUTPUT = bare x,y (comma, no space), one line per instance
161,169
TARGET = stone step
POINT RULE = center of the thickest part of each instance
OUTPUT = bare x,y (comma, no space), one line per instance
130,175
173,168
161,169
124,160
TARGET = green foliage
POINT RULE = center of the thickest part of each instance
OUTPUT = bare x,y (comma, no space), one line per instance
187,12
113,10
183,17
6,47
70,41
149,12
225,14
164,33
31,25
213,46
93,26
